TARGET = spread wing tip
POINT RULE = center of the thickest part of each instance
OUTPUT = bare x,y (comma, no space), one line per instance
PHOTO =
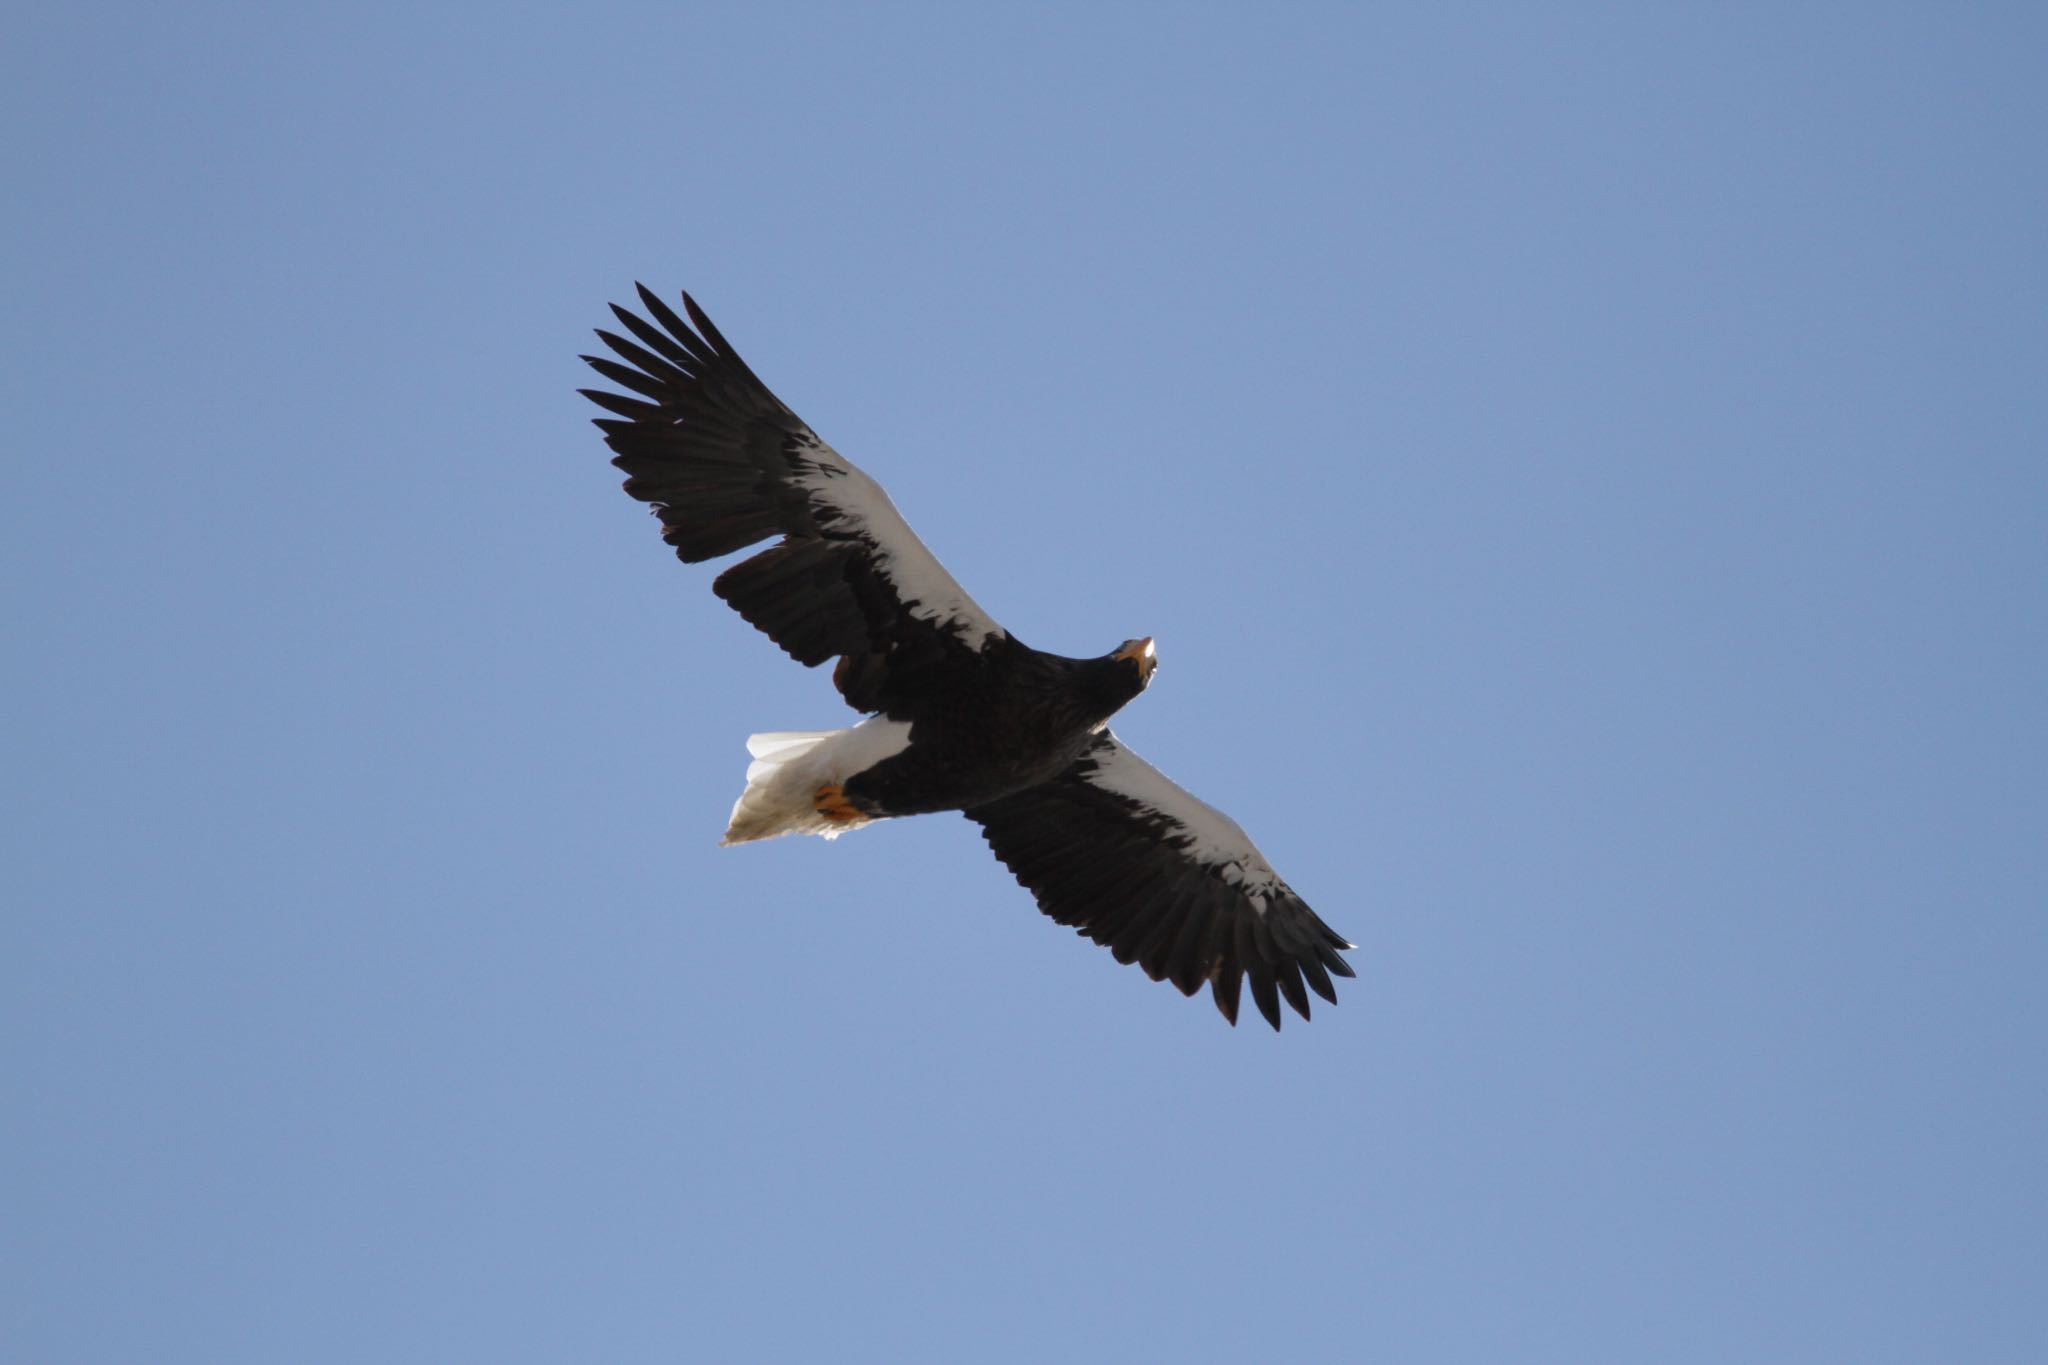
1141,867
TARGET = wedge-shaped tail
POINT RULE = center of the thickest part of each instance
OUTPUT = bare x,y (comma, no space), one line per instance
792,767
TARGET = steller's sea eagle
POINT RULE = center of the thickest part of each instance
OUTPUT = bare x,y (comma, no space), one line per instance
961,715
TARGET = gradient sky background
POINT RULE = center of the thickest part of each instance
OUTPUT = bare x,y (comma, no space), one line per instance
1588,475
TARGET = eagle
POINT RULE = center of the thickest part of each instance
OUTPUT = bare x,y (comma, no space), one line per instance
959,713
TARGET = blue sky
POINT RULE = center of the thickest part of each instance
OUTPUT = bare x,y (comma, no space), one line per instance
1584,469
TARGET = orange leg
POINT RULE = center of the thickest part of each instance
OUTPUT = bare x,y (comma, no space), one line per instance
830,801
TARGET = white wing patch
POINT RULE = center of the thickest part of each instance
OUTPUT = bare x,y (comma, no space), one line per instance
1214,839
855,505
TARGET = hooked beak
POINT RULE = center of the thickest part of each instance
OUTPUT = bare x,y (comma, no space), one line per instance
1141,653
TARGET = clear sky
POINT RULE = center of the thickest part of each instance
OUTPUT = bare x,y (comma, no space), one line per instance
1586,469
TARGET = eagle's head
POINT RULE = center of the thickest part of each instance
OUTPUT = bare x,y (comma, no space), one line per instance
1100,687
1140,658
1123,673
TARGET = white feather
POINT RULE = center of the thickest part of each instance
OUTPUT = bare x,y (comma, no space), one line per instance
790,765
862,508
1214,839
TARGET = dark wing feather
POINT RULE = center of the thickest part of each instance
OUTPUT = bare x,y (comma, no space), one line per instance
727,465
1114,848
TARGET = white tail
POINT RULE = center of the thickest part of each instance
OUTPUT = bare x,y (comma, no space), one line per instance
791,765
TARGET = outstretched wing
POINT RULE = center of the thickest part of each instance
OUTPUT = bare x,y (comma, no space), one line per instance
726,465
1115,848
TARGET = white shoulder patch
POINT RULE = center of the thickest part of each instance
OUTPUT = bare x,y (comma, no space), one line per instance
858,506
1214,839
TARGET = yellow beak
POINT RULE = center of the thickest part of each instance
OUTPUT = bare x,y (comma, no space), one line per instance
1141,651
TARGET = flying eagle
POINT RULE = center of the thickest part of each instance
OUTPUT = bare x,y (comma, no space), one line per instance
961,715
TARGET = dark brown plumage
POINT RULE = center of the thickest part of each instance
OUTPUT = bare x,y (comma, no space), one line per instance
962,716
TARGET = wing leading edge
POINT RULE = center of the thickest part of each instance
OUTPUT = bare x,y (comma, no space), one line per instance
1132,860
726,465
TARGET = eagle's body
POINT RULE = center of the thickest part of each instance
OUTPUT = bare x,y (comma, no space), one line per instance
1018,719
961,715
1023,722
